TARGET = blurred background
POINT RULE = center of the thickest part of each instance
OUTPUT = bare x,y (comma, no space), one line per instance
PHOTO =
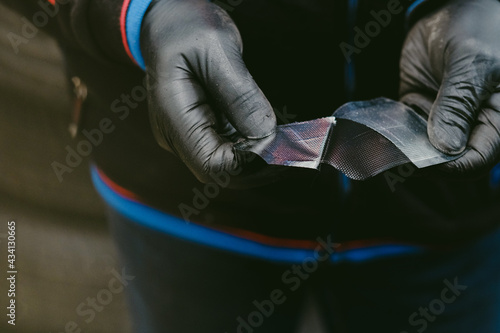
64,253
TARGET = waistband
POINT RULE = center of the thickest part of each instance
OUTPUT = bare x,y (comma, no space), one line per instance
243,242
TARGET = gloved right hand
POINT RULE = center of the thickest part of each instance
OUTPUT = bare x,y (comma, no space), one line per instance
452,58
202,99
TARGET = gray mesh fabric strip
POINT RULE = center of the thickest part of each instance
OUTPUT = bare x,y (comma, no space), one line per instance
361,139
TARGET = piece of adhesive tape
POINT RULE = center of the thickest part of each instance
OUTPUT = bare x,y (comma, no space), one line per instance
361,139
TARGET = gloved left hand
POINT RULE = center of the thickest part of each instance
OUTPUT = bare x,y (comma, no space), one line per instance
450,69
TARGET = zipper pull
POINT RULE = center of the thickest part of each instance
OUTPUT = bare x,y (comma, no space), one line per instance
80,91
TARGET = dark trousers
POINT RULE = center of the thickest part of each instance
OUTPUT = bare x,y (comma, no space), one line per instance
180,286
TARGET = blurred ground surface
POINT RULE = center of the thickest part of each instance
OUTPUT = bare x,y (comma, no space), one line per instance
64,252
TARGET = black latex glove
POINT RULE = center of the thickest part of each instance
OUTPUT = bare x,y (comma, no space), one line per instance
450,69
202,98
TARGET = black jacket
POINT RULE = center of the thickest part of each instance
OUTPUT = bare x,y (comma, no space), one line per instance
293,48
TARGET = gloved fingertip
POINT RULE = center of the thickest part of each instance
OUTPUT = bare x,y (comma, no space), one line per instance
449,140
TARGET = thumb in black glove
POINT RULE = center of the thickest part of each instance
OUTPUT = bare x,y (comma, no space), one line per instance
452,57
202,99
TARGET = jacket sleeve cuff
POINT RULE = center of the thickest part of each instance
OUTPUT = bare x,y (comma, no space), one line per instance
108,30
131,17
